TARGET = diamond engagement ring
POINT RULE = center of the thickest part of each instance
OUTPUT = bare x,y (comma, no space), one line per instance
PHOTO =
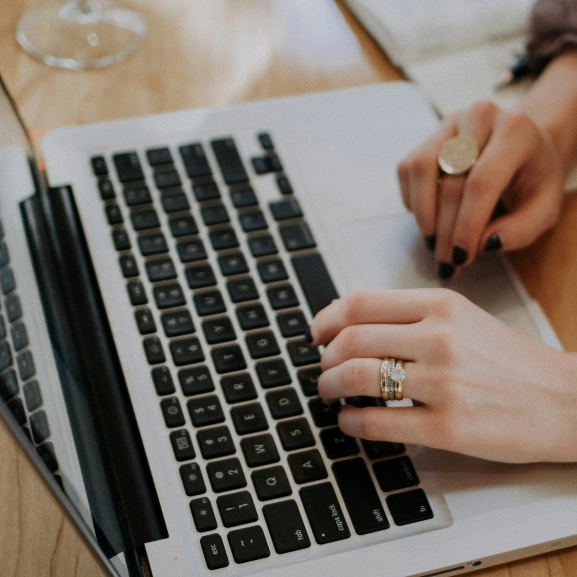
392,375
397,374
457,155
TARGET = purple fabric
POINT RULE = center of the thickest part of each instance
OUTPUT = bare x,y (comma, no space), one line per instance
553,29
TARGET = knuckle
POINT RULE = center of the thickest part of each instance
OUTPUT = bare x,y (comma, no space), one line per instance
344,343
352,303
352,374
369,426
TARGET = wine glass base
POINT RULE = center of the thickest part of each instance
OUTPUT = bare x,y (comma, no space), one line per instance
80,35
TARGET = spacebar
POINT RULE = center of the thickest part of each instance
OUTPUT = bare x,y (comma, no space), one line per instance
315,280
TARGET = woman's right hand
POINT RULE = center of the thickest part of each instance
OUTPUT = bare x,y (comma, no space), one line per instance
518,164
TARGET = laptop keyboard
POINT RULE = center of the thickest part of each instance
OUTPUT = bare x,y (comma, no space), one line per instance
261,458
19,386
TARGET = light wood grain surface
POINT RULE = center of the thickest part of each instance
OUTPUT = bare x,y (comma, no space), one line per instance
214,52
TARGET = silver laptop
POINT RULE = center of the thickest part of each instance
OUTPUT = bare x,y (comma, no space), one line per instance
156,284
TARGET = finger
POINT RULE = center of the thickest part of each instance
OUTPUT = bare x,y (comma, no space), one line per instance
392,306
405,342
362,377
414,425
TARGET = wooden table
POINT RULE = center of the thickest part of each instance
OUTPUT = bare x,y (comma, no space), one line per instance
214,52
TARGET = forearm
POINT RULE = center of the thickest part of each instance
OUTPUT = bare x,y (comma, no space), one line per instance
552,104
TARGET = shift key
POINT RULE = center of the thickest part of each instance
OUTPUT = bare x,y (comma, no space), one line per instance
324,513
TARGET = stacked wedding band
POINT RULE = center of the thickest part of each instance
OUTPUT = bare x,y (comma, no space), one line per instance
392,375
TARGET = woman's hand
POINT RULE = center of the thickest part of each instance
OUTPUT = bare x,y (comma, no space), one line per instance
518,163
481,387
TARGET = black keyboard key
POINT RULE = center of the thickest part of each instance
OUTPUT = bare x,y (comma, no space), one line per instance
136,293
324,513
152,244
195,160
286,526
285,209
191,250
7,281
214,552
106,190
228,359
259,450
273,373
16,407
409,507
13,308
315,281
183,226
248,544
337,444
113,214
253,221
158,156
177,323
120,239
195,380
168,296
203,515
39,426
223,239
205,411
209,303
5,355
216,214
265,140
144,219
241,198
282,297
182,445
153,350
252,317
215,442
206,191
307,466
395,474
32,394
192,480
160,269
297,237
236,509
360,497
3,332
186,351
238,388
167,179
249,418
219,330
162,379
272,271
4,254
378,449
284,184
145,321
292,323
262,344
99,167
19,336
271,483
324,415
174,202
128,266
200,276
137,195
226,475
241,290
301,353
295,434
46,452
284,403
172,412
265,164
229,161
25,364
231,264
262,245
128,166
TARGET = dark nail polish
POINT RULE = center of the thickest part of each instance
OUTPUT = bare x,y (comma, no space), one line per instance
493,243
308,335
459,255
431,241
445,270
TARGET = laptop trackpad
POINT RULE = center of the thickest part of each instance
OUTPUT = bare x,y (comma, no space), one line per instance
389,252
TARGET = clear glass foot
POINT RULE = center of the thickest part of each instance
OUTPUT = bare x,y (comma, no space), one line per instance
80,34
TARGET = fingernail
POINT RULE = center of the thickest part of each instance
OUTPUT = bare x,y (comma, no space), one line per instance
431,241
493,243
459,255
445,270
308,335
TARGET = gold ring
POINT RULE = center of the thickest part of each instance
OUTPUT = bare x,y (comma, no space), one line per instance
398,381
457,155
385,379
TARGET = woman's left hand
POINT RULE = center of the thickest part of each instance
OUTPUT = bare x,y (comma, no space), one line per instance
481,387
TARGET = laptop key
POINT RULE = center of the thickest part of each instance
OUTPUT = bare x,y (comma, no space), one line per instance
144,219
191,250
13,307
324,415
25,364
205,411
337,444
120,239
174,202
249,418
238,388
39,426
219,330
209,303
285,209
228,359
182,445
128,166
236,509
215,442
226,475
252,317
113,214
162,379
195,380
106,190
195,160
379,449
168,296
183,226
32,394
286,526
284,403
263,245
203,515
128,266
99,167
273,373
253,221
295,434
259,450
307,466
241,198
394,474
272,271
152,244
192,479
145,321
229,160
216,214
166,179
172,412
271,483
301,353
292,323
159,156
324,513
360,497
137,195
5,355
214,552
16,406
19,336
136,293
284,184
177,323
232,264
223,239
248,544
200,276
153,350
206,191
282,297
186,351
409,507
241,290
262,344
